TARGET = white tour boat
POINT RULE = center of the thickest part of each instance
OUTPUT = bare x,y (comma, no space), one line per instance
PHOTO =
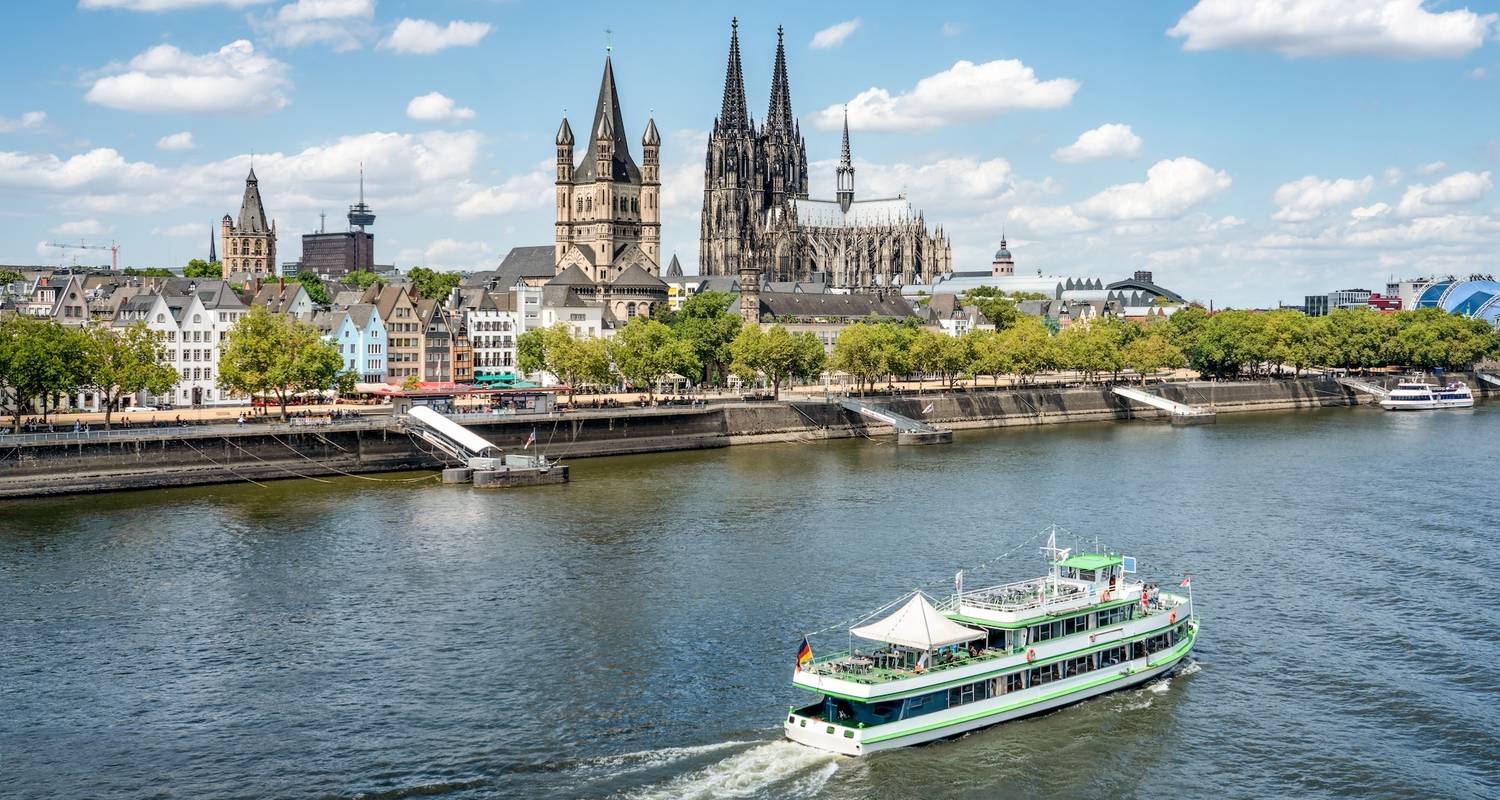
1418,396
985,656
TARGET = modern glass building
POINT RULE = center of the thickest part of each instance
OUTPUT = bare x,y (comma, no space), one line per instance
1477,297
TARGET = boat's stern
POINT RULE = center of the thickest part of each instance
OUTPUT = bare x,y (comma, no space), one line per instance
802,727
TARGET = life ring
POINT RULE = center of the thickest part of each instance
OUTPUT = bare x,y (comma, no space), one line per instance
1172,618
1030,654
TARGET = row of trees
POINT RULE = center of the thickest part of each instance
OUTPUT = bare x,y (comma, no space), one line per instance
263,354
41,360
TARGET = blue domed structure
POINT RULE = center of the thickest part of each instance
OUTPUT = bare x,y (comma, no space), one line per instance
1477,297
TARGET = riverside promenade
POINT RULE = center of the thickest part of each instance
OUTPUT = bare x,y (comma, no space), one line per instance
316,447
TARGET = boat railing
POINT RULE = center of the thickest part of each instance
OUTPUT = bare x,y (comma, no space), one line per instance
1035,593
875,666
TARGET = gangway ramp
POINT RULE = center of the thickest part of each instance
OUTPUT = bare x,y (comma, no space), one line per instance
1182,413
1488,378
908,430
483,463
1366,387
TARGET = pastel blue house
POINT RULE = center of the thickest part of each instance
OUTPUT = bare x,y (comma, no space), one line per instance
359,333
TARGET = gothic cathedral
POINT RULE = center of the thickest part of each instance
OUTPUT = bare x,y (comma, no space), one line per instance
759,223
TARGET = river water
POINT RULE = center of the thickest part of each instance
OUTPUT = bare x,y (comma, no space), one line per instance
632,634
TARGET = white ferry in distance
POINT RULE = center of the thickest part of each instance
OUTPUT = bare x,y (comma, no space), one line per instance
1417,396
985,656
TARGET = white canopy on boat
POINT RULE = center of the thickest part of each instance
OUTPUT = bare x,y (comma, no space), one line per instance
919,625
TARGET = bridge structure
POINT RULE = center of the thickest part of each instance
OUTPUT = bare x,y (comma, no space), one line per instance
908,430
482,462
1182,413
1366,387
1488,378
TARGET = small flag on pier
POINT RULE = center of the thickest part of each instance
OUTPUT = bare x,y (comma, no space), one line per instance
804,654
530,440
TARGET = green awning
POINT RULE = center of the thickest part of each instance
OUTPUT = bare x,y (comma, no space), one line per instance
1089,561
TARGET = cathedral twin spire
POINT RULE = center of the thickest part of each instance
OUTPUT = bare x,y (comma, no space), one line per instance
734,115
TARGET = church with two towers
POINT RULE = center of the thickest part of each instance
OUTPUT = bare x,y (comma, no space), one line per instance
760,224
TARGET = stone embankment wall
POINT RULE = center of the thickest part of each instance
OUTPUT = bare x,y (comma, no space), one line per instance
151,458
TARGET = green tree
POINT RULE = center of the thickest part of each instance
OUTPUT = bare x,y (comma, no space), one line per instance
38,358
198,268
276,354
116,364
531,351
856,352
777,354
706,324
9,276
577,361
360,279
994,304
934,352
1147,354
1289,339
313,283
432,284
646,350
147,272
1028,348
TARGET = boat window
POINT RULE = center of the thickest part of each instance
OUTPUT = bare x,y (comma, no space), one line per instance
1086,575
925,704
1013,682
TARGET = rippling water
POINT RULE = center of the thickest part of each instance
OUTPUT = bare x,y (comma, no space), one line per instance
631,634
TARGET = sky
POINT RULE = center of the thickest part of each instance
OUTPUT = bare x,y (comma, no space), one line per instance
1247,152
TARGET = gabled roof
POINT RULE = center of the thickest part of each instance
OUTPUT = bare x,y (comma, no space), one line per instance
572,276
635,277
562,297
847,306
361,314
607,120
674,268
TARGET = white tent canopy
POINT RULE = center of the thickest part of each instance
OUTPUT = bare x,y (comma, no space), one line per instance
919,625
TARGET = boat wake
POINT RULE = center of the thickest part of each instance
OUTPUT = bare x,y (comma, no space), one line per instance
643,760
795,771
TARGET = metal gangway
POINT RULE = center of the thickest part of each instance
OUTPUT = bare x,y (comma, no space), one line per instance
1182,413
460,443
1366,387
908,430
1488,378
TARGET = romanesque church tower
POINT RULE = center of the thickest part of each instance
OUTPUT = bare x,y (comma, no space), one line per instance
748,170
608,208
249,245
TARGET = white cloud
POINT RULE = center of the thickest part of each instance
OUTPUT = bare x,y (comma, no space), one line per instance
1110,140
940,182
165,5
1302,28
835,34
951,29
1432,168
233,80
964,91
423,36
29,121
1308,198
1392,176
1170,189
81,227
1456,189
341,24
1477,74
176,141
437,107
99,167
1049,220
186,230
455,253
527,191
1370,211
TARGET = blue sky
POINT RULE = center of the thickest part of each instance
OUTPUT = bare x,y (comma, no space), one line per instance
1246,151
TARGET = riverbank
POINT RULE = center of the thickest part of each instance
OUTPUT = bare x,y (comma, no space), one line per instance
35,466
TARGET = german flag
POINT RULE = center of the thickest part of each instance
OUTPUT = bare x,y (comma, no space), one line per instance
804,654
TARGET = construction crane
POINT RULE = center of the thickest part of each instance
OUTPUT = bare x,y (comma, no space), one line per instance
112,247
